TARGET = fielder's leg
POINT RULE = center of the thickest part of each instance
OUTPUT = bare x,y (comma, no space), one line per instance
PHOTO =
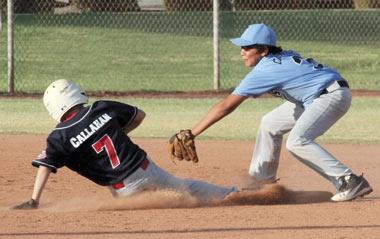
267,150
316,120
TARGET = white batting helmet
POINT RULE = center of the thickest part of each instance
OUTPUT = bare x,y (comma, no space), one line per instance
61,95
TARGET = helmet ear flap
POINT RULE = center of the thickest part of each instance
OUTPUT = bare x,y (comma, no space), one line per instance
61,95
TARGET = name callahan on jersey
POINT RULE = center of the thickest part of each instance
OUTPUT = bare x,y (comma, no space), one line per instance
90,130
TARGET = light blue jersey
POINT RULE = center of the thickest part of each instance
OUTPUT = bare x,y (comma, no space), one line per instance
288,75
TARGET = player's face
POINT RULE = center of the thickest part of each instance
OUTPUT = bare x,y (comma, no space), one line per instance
251,56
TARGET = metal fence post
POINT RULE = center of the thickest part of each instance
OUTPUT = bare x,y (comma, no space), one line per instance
1,20
216,44
11,87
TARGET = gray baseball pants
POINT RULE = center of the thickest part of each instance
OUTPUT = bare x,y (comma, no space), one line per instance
153,177
305,125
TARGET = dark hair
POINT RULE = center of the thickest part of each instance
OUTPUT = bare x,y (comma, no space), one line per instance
260,48
274,49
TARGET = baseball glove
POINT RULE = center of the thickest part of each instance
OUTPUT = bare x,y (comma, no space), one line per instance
31,204
181,146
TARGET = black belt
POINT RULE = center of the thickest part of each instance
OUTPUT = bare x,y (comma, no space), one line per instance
341,83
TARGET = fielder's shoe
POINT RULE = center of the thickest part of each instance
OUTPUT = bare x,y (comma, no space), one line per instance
352,186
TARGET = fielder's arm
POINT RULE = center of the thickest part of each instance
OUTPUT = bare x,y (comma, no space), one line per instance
41,179
136,121
219,111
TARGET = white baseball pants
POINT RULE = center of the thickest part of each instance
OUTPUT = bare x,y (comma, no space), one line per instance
305,125
153,177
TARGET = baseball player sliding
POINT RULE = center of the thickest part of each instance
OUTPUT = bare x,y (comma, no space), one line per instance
93,141
317,97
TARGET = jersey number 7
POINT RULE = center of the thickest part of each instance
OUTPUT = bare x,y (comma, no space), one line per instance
106,143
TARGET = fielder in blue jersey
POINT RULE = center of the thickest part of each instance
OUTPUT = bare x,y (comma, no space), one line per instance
317,97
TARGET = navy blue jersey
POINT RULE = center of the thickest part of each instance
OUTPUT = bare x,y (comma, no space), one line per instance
94,144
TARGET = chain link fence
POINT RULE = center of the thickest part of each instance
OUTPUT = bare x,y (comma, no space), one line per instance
167,45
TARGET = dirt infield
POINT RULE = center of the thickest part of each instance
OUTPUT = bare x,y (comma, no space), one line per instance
73,207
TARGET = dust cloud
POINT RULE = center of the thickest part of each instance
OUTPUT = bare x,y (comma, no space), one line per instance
268,195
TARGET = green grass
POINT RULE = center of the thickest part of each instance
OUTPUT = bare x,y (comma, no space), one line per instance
114,60
166,116
173,52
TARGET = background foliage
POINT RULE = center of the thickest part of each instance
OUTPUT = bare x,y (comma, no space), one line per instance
166,116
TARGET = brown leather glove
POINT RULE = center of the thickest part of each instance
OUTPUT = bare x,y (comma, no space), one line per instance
181,146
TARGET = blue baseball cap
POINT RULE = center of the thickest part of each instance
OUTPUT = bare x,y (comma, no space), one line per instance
256,34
